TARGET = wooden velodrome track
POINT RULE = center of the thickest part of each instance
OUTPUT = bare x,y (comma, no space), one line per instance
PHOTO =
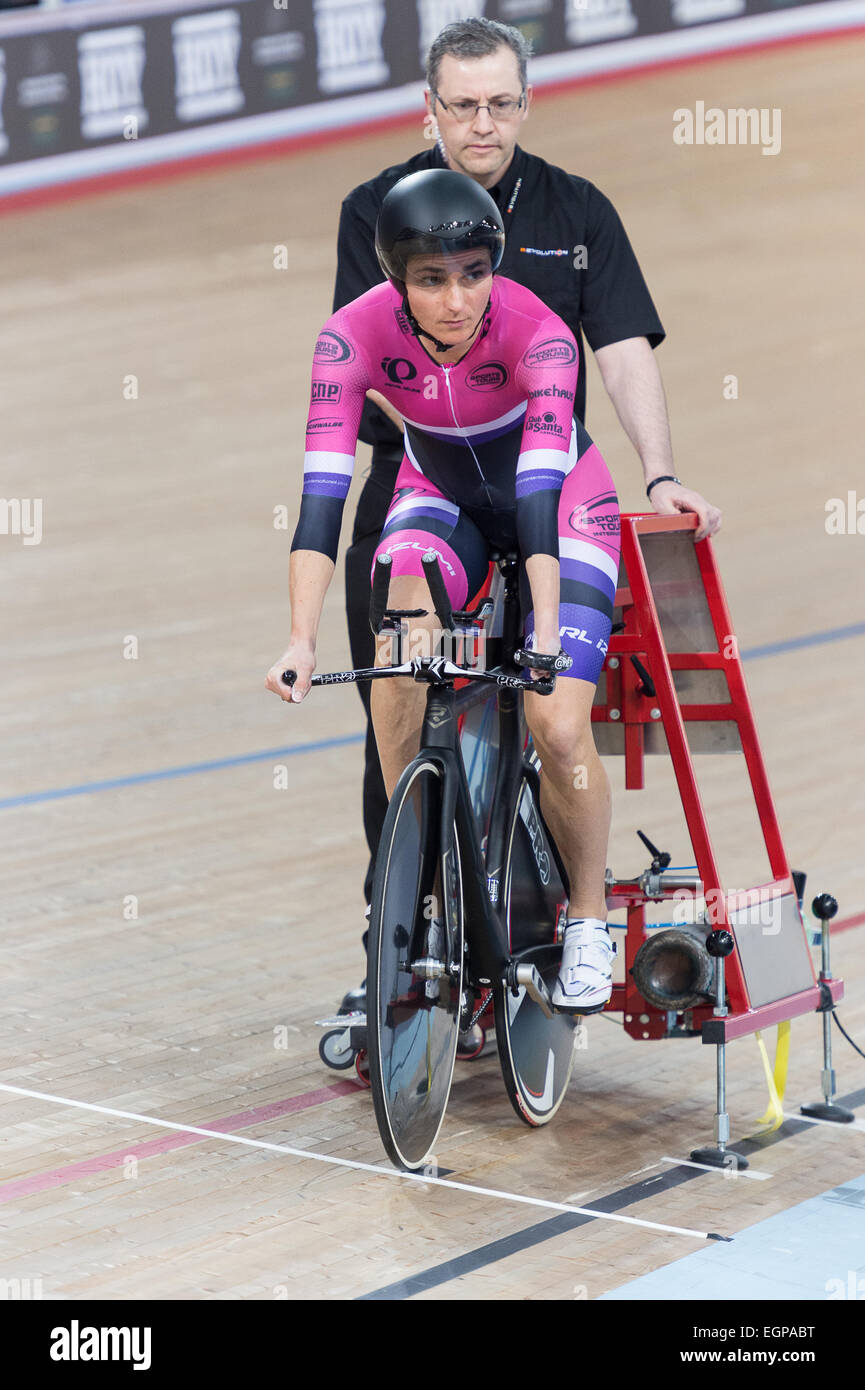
169,941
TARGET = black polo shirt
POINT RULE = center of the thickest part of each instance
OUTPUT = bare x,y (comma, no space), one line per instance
564,241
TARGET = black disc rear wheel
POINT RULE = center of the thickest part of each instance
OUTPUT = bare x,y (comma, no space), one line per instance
415,968
536,1052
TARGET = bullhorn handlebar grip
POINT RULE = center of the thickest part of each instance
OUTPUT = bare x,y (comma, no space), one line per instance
441,602
541,661
380,586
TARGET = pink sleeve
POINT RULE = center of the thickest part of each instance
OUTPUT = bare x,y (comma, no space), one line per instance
547,373
340,379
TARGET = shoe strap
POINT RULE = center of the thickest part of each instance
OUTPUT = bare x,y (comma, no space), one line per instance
584,929
589,931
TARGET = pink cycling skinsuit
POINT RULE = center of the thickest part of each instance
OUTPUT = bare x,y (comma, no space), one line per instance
494,457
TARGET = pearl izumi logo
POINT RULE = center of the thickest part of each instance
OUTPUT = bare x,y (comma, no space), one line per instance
110,64
350,53
206,47
433,15
489,376
77,1343
398,370
544,424
4,139
590,21
698,11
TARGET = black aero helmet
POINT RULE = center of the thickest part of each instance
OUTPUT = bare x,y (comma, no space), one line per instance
439,211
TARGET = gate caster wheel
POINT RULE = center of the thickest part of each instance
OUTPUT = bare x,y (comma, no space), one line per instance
337,1061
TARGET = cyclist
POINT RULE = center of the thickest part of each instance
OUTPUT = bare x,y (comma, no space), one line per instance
483,375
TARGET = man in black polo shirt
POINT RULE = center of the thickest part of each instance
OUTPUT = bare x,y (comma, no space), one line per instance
565,242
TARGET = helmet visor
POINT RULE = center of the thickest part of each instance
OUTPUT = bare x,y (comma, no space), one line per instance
483,244
431,268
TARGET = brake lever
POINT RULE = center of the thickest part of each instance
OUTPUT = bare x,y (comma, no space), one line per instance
474,615
545,686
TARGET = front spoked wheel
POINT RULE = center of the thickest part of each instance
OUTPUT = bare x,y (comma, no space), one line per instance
536,1052
415,967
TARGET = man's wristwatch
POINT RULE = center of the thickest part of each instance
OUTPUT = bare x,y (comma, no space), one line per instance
665,478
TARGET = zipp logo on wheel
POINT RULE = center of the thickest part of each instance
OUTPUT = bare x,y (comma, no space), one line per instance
536,835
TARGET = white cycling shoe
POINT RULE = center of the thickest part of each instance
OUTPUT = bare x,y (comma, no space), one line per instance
585,979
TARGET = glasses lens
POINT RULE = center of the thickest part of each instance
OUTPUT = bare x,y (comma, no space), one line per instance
464,110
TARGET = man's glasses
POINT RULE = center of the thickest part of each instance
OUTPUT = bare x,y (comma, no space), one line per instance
502,109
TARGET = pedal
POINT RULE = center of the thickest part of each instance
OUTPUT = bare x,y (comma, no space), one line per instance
343,1020
580,1012
529,977
349,1031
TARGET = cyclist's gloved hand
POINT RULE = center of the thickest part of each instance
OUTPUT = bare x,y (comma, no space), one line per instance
300,658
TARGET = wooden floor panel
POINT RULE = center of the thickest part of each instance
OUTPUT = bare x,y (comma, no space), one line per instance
199,1006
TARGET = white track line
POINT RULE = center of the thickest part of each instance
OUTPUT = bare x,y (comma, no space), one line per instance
732,1171
832,1124
352,1163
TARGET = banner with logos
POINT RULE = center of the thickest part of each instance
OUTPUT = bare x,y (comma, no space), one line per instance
97,88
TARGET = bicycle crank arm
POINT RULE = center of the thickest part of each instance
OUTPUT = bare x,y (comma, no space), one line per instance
530,979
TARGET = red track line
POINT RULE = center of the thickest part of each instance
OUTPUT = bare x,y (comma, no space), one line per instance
58,1177
847,922
294,144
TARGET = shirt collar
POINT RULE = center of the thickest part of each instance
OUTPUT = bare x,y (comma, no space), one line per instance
502,191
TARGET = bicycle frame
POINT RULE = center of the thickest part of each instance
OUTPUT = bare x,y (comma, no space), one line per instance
461,957
439,741
486,930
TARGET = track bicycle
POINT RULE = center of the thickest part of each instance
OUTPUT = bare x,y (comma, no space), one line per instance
469,891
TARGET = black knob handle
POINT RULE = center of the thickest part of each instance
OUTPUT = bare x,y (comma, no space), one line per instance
289,677
824,906
719,943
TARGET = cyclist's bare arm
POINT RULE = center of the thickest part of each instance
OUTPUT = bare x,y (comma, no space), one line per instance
390,410
632,380
543,576
310,573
